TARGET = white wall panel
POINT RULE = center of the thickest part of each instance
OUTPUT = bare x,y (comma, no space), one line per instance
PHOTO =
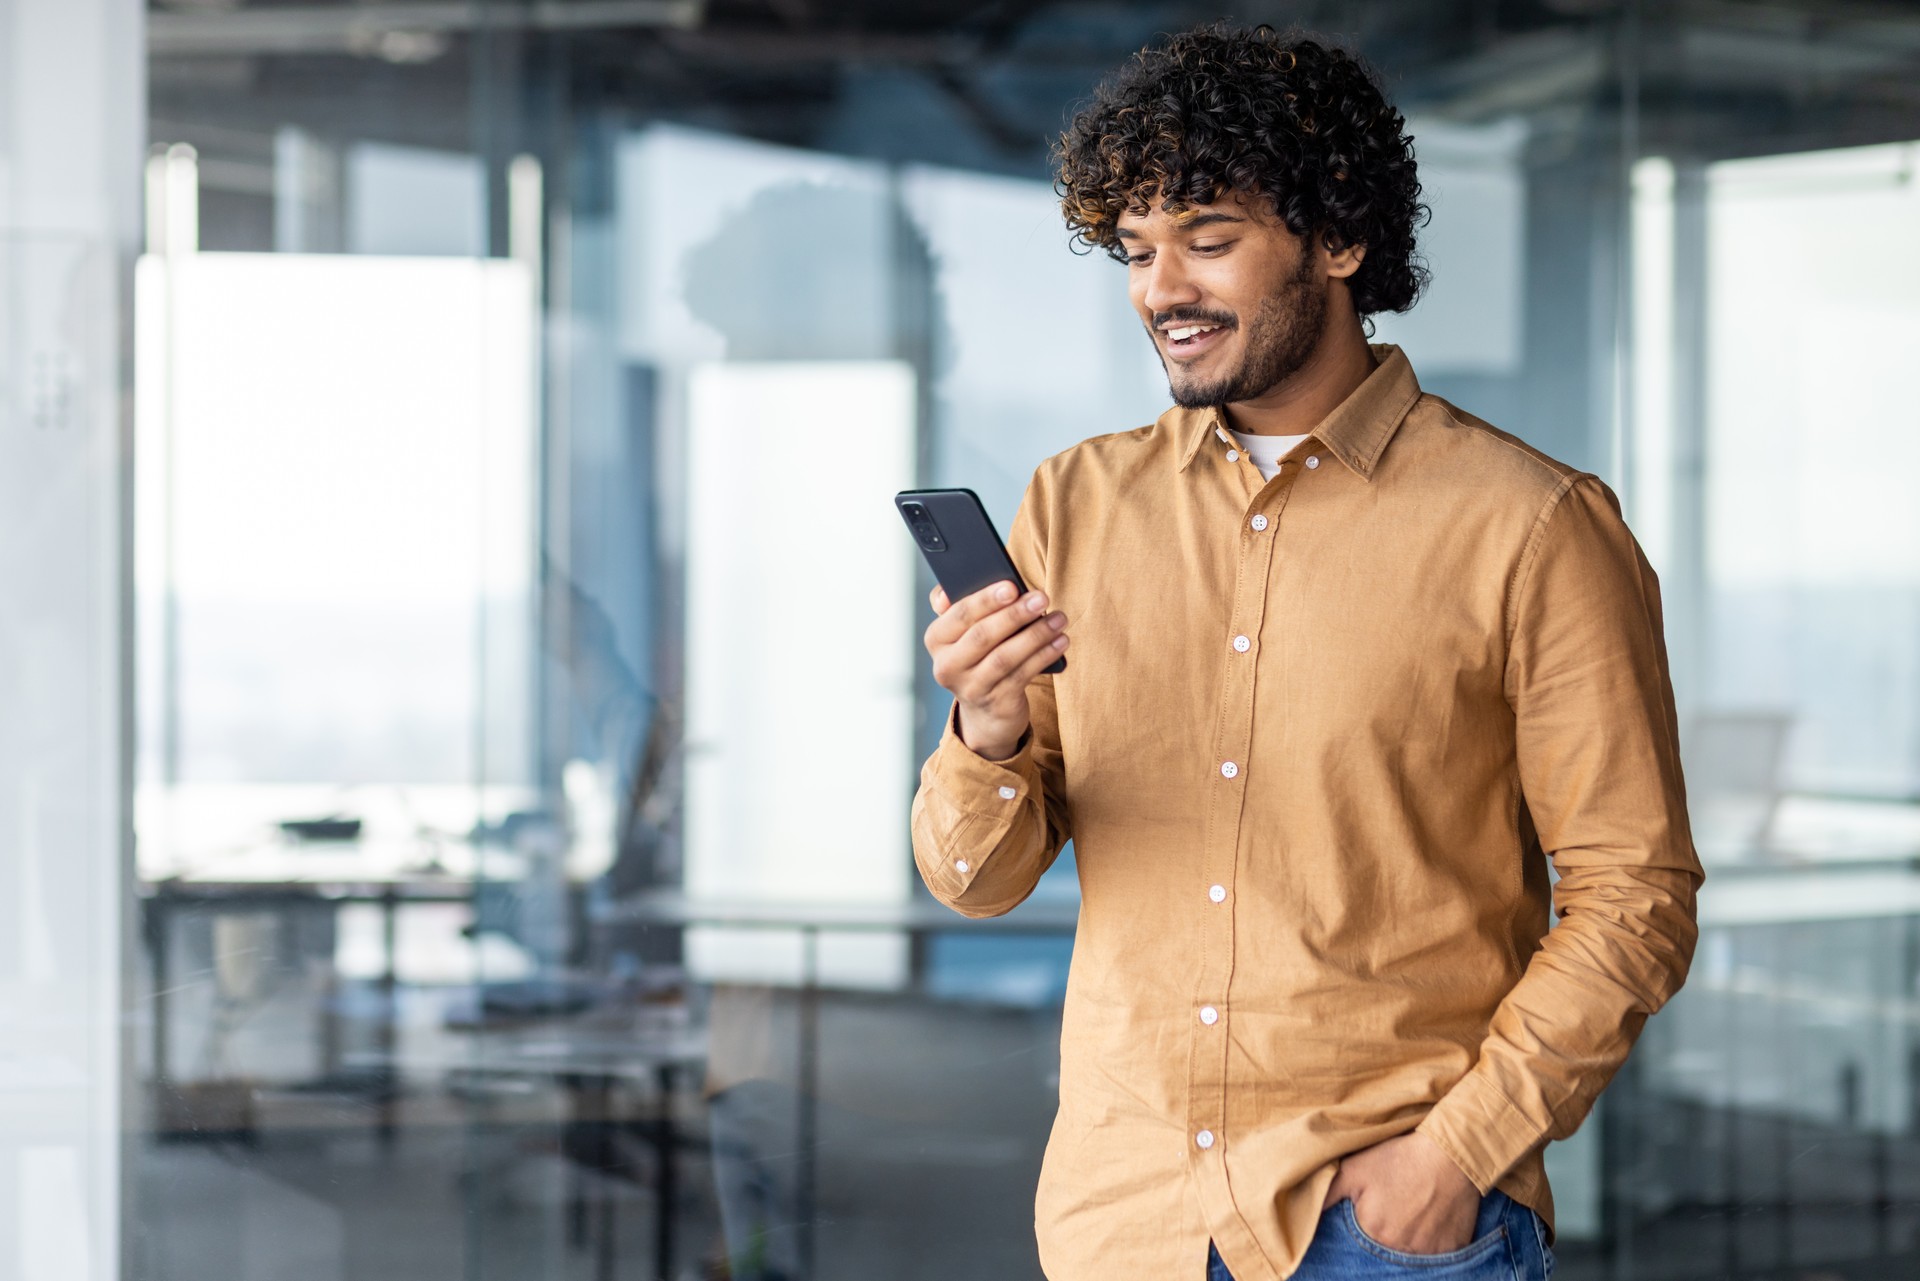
71,108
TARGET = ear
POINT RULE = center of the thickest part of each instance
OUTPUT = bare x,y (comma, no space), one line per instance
1341,260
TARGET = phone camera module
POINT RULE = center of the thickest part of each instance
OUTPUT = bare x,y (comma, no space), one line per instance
923,527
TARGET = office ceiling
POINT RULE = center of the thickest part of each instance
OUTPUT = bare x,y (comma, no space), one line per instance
987,81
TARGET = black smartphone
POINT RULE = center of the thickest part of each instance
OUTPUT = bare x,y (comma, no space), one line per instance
962,547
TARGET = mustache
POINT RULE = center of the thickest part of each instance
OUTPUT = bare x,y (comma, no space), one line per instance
1191,316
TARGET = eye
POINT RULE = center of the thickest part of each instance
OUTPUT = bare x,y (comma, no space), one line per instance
1213,249
1139,260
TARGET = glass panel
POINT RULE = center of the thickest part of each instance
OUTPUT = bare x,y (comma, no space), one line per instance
529,669
61,812
70,115
1767,1121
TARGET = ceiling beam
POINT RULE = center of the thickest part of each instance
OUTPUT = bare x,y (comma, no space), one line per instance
361,28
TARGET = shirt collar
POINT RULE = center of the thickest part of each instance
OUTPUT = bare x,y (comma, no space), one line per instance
1356,432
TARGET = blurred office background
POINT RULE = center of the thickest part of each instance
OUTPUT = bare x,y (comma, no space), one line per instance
460,683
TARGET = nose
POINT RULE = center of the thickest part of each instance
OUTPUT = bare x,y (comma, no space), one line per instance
1164,284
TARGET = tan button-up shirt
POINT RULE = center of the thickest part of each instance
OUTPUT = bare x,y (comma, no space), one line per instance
1317,741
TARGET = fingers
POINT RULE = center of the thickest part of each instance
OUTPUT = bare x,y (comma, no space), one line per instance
995,649
968,610
999,642
1010,666
988,646
1054,644
1338,1190
991,642
981,621
995,658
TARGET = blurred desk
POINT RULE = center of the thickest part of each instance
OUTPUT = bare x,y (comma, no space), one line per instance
1826,857
587,1056
210,831
285,877
1827,829
917,919
1777,893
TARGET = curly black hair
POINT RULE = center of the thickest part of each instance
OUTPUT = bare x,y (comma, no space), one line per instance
1258,112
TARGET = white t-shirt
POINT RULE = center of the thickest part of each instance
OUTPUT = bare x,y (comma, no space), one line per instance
1267,451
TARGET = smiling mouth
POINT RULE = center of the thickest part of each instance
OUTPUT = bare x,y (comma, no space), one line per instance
1191,340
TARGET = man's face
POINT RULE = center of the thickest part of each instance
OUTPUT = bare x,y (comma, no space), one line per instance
1235,302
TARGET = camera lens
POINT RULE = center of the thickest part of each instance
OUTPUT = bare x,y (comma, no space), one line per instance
924,530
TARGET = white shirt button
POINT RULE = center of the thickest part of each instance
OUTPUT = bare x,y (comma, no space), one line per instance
1233,455
1259,523
1228,769
959,865
1209,1015
1008,793
1313,461
1204,1139
1218,893
1241,644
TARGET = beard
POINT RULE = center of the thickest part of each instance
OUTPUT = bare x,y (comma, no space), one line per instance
1279,339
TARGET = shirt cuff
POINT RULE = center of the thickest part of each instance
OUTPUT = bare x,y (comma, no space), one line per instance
1481,1130
990,789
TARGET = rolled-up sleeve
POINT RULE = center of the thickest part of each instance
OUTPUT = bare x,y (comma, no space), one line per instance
1598,757
985,831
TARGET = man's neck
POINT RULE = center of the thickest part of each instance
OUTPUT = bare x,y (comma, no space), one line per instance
1300,402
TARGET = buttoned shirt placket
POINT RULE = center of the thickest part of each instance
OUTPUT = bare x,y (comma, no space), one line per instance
1256,547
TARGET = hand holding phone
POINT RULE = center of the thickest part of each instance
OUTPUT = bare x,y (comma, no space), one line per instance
990,642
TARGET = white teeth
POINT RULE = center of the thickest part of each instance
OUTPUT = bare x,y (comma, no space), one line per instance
1187,331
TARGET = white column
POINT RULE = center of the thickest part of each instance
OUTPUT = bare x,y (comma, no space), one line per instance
72,104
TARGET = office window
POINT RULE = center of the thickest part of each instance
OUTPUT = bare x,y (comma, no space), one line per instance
336,543
1812,533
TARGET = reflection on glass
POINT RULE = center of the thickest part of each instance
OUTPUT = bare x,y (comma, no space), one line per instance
530,689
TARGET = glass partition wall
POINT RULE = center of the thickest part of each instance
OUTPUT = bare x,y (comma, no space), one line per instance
530,688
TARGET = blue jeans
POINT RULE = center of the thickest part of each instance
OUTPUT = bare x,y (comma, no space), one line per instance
1509,1244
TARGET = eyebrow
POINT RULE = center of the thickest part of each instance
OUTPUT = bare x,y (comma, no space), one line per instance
1198,220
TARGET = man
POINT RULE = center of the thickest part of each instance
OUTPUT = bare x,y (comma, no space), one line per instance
1349,667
